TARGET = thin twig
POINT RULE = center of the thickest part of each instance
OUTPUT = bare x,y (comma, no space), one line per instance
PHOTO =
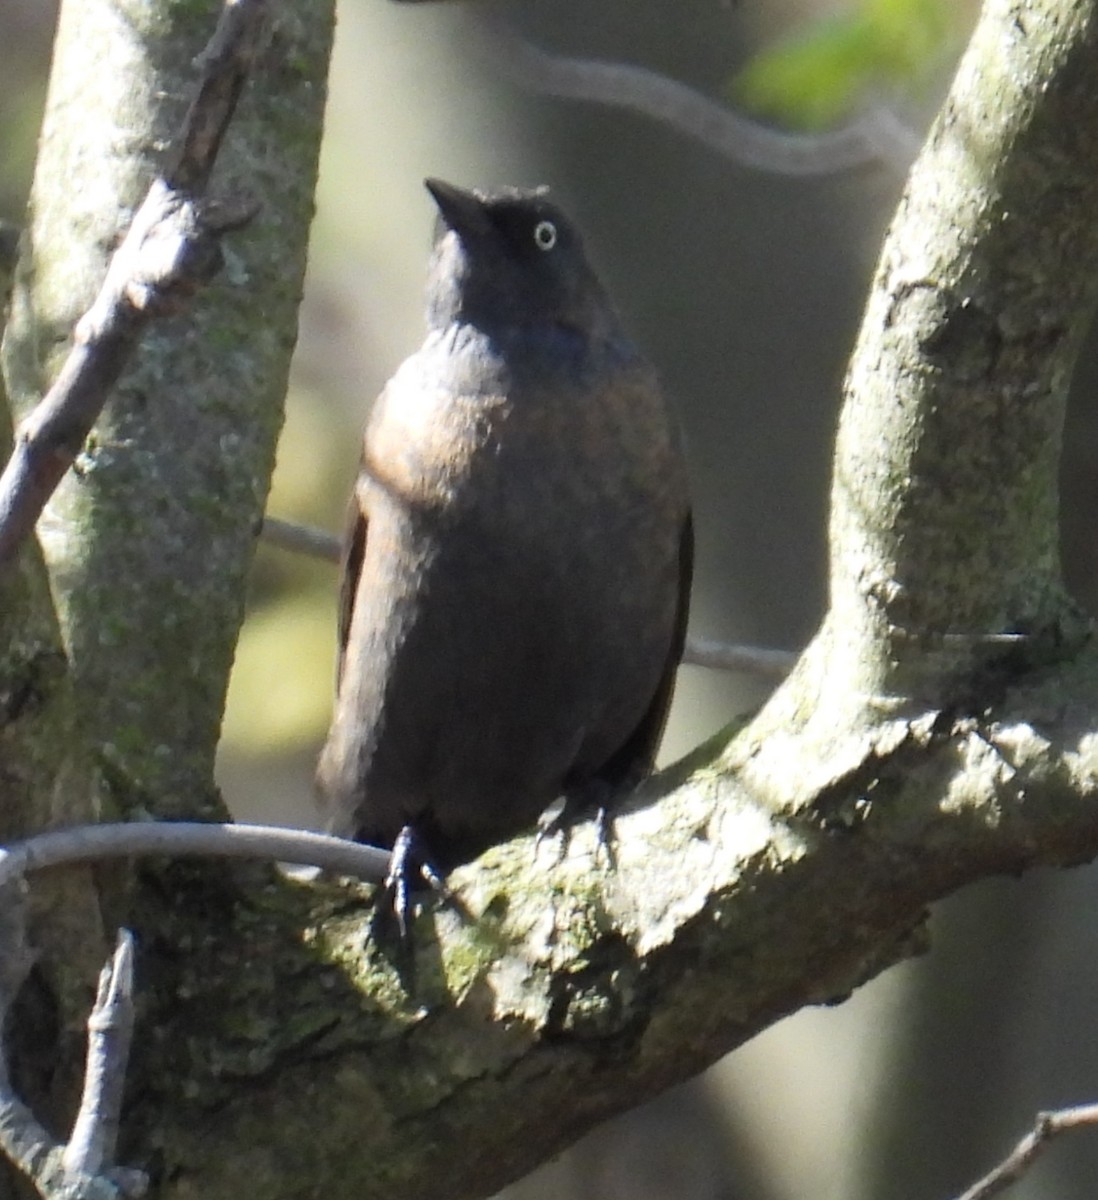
877,136
87,843
225,64
1047,1126
110,1031
699,652
22,1139
171,248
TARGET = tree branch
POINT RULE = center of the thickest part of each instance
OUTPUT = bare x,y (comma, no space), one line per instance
1048,1125
945,501
171,248
877,136
176,839
91,1146
149,542
576,991
944,513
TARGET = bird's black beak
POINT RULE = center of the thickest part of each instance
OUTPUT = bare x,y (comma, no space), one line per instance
461,211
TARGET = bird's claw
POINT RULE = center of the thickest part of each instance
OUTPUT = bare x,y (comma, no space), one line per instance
409,864
604,834
577,805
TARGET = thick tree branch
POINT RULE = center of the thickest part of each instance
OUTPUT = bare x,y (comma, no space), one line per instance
577,991
944,524
149,541
945,503
169,250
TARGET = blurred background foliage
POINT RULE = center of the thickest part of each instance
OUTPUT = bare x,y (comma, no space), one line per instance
745,288
823,71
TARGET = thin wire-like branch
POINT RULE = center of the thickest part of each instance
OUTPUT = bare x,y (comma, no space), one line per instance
1047,1126
171,248
876,136
301,539
87,843
698,652
730,656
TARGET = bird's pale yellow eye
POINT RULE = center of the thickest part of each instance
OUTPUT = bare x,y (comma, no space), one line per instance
545,235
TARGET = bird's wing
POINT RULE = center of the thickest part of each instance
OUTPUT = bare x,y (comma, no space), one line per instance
637,755
350,565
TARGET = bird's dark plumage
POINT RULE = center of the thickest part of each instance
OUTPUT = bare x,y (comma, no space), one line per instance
517,565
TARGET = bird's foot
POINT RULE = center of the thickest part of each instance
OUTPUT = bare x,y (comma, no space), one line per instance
596,796
604,832
410,867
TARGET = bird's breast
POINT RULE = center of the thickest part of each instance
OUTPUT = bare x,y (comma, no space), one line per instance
496,430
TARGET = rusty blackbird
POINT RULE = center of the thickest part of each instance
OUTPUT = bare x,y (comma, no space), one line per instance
516,571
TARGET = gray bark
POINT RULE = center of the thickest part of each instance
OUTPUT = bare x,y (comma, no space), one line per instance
149,540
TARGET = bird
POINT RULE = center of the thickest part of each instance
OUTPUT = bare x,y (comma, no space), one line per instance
517,563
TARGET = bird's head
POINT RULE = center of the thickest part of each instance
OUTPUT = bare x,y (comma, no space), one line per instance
511,259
